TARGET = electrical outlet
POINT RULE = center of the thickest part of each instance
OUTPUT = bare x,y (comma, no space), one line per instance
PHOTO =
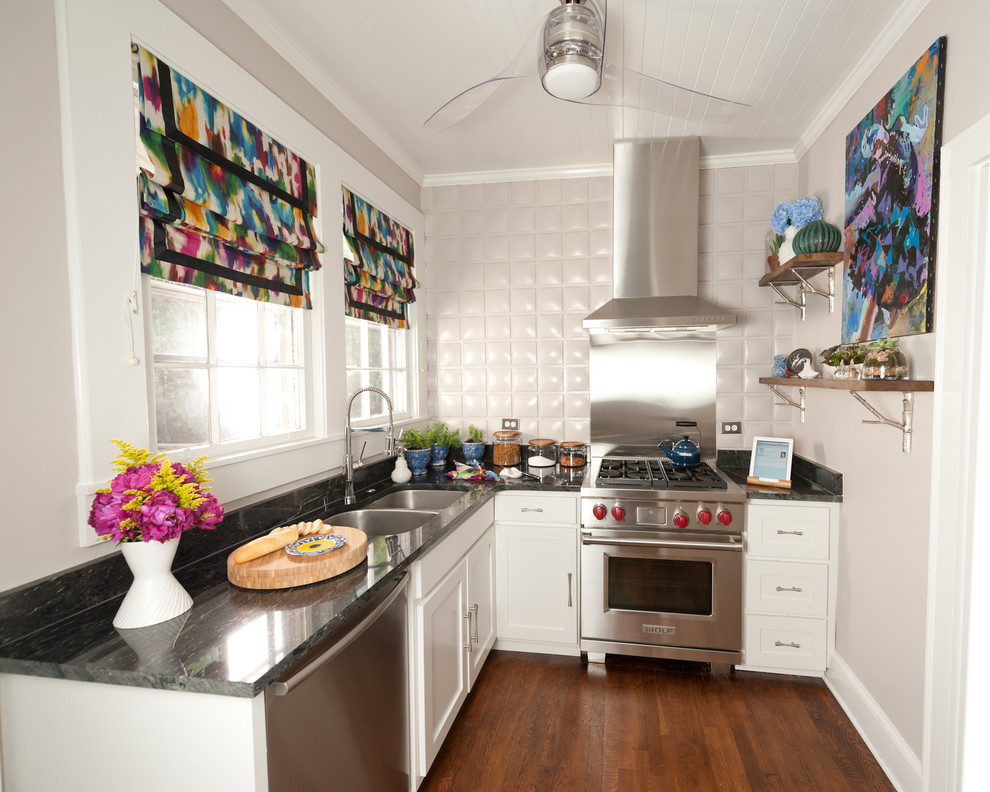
731,427
510,423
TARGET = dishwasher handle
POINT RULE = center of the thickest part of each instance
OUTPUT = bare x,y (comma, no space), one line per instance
284,687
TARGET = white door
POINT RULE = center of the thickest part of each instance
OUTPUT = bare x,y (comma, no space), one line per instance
536,566
442,686
481,601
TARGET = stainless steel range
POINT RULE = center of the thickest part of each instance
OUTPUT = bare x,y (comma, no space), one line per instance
661,557
661,561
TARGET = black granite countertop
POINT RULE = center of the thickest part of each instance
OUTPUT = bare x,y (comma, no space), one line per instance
810,481
233,642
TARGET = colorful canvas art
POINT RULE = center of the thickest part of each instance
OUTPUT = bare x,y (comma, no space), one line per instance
891,207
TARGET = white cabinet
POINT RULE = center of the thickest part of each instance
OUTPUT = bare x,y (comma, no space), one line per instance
790,588
536,550
453,629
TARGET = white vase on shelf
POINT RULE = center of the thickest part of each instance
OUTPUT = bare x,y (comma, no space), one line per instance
786,252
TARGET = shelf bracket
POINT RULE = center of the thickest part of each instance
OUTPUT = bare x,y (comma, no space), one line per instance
806,288
906,424
799,404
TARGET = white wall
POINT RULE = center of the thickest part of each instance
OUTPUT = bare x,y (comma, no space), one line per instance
885,525
514,267
49,456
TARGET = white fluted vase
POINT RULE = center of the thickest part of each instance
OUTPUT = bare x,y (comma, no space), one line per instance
155,595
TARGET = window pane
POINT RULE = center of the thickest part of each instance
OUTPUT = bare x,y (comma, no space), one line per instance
398,391
182,407
178,322
284,401
398,348
239,403
352,341
237,330
376,342
282,336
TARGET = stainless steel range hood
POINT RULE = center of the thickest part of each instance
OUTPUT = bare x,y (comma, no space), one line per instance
655,232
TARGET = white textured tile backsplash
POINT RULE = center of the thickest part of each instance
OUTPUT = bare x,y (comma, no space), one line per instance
511,270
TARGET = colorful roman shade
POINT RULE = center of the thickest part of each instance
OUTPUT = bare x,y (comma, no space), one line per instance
378,273
222,204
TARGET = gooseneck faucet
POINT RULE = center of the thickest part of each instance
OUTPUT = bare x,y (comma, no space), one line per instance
349,464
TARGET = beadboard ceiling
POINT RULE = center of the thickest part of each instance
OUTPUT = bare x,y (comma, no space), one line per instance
389,64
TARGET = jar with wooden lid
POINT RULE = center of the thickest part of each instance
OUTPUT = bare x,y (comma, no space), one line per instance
541,453
505,448
573,453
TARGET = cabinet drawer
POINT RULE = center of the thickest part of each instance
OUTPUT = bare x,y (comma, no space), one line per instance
787,531
784,642
437,563
536,507
786,587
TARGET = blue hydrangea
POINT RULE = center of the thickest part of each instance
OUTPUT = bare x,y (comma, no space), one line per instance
805,210
781,218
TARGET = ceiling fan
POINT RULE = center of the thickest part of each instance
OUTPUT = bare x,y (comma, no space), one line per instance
570,61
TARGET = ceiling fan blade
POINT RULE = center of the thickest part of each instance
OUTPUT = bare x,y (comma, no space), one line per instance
467,101
623,87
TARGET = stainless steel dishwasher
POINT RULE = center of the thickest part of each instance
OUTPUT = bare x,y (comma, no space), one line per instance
339,721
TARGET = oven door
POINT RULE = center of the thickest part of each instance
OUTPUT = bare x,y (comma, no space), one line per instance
661,589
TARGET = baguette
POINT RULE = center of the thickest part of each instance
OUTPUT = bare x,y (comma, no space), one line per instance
279,538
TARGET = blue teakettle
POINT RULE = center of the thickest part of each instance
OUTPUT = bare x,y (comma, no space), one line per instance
684,453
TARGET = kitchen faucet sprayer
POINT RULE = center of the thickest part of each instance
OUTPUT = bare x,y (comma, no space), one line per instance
349,497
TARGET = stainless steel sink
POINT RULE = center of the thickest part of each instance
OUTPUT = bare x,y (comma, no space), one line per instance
382,522
424,500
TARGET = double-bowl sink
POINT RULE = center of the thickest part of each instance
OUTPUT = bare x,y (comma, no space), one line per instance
398,512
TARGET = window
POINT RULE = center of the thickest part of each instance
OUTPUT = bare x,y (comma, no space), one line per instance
377,356
229,373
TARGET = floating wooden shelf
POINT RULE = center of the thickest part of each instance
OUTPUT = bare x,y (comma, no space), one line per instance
916,386
797,271
906,387
807,264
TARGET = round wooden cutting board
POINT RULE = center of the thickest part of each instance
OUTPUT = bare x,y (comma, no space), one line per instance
280,570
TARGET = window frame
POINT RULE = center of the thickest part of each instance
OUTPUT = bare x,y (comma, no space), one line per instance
216,448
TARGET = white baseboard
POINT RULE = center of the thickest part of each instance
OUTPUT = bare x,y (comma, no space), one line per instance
899,762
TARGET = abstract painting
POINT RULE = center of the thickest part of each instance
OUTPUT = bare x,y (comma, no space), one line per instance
891,207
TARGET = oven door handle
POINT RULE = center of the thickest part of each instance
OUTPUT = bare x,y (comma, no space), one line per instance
730,543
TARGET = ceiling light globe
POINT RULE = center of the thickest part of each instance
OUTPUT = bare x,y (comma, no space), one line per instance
572,80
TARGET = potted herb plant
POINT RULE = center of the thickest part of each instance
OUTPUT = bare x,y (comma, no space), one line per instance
442,438
417,450
474,446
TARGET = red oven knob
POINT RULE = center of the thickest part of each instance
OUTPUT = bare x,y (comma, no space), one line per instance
619,512
599,511
704,516
681,520
725,517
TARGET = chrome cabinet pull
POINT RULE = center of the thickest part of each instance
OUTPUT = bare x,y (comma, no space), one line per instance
570,600
528,509
791,644
467,615
792,533
788,588
475,636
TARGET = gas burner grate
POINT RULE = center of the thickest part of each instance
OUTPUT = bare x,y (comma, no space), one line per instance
656,474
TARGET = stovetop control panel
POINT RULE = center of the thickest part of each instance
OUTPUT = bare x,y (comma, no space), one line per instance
701,514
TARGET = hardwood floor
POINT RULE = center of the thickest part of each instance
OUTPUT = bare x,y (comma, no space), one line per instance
539,722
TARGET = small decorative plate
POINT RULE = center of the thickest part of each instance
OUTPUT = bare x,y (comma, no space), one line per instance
797,360
316,545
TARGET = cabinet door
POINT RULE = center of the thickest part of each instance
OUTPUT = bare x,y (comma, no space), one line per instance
536,569
481,602
441,684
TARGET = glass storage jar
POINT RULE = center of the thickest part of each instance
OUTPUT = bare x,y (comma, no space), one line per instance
541,453
885,363
573,453
505,448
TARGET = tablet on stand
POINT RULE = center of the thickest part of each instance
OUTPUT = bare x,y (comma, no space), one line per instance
770,462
